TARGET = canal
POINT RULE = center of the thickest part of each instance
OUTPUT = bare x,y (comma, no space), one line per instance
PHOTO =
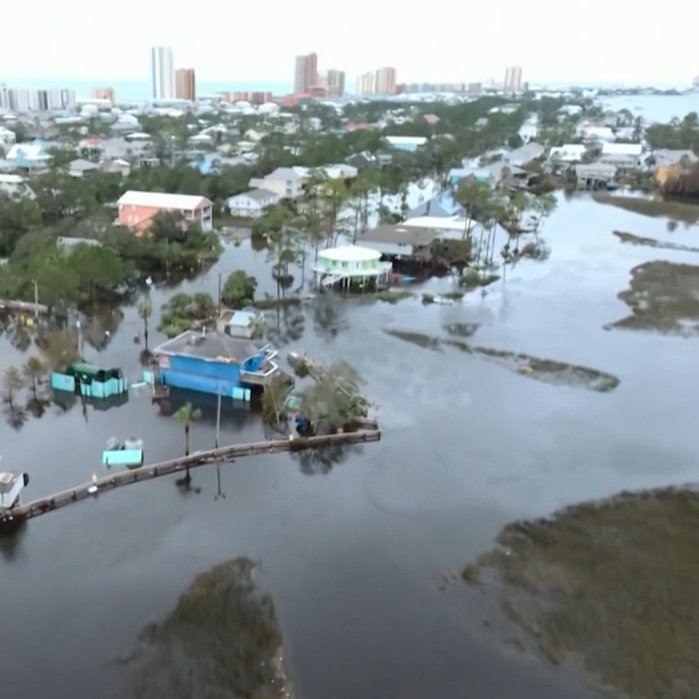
353,552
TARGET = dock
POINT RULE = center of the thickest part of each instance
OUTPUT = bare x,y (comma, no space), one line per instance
225,454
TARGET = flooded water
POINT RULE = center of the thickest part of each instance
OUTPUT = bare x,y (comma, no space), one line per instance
352,556
654,108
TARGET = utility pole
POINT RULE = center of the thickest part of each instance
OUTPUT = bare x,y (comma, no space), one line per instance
219,493
36,298
219,299
218,418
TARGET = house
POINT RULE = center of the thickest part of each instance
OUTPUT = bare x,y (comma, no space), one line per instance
67,243
351,265
442,204
29,156
215,362
406,143
520,157
82,168
595,175
624,156
568,153
285,182
591,132
16,187
400,241
237,324
117,167
136,209
7,137
251,204
664,157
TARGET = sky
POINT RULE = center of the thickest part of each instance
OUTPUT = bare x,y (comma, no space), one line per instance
592,41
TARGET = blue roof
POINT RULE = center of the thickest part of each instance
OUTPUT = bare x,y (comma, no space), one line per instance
442,204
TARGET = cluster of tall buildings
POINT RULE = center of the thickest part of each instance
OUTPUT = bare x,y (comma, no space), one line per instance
379,82
309,81
168,83
30,100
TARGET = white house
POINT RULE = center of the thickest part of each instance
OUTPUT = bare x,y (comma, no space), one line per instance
251,204
568,153
285,182
16,187
593,132
622,155
7,136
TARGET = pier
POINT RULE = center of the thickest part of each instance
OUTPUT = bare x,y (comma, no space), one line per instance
96,487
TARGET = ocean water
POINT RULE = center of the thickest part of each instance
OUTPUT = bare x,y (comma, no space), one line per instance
140,90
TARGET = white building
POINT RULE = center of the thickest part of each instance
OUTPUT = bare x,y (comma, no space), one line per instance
252,204
162,73
285,182
349,265
7,137
568,153
622,155
16,187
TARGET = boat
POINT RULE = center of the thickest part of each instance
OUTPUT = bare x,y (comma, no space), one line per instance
11,487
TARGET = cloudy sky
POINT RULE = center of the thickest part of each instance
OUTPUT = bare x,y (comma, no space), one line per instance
594,40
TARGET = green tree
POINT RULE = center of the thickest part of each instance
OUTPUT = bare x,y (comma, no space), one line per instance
186,416
239,289
100,269
34,370
145,310
334,398
474,196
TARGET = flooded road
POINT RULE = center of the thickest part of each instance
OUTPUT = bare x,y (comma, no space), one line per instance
352,557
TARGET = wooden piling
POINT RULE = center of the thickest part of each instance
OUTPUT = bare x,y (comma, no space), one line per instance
230,453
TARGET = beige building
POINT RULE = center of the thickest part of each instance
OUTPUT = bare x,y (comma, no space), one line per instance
335,83
385,81
185,84
366,84
306,74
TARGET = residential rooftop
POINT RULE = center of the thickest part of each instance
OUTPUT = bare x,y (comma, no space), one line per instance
163,200
211,346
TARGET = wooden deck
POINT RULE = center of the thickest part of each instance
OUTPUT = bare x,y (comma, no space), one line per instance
63,498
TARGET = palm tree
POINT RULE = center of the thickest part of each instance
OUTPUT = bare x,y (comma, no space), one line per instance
145,309
257,325
186,415
34,370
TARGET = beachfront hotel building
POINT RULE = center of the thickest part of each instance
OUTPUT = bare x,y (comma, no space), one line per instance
162,73
306,73
185,84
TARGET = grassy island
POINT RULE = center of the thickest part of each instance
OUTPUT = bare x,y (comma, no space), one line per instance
615,584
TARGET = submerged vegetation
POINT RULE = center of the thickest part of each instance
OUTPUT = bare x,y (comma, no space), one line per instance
633,239
613,583
546,370
679,211
663,296
221,640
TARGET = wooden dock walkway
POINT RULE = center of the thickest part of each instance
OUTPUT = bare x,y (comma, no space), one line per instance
94,488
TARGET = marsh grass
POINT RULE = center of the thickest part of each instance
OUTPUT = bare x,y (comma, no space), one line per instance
221,639
615,583
679,211
663,297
